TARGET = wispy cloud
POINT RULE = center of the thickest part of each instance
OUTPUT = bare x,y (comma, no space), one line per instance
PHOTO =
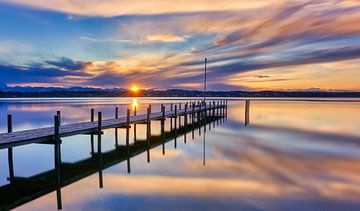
109,40
135,7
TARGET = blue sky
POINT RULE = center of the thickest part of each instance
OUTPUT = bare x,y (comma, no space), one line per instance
262,45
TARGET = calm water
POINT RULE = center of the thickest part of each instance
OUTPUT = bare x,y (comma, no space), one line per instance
292,156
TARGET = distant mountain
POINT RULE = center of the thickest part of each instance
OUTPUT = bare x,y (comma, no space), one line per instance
29,89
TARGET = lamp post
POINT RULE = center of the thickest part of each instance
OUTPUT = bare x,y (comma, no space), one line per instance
205,81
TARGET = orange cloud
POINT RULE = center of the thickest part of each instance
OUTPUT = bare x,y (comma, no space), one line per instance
127,7
165,38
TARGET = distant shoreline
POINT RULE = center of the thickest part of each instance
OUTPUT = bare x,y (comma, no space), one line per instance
180,94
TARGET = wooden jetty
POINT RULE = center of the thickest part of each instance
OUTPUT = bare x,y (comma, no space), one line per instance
21,190
12,139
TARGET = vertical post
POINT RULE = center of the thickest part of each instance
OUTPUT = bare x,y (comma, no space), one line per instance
175,122
213,113
247,112
205,116
163,128
217,112
179,115
192,120
148,132
99,150
116,129
92,119
127,140
57,159
135,113
205,80
186,115
185,122
58,113
199,120
226,109
117,113
10,150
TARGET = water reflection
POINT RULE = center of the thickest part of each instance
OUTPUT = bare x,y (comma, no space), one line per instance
135,105
292,156
14,194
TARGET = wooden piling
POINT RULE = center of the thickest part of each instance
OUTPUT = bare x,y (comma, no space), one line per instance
247,112
127,140
10,149
148,132
135,113
175,127
92,118
57,158
101,185
163,128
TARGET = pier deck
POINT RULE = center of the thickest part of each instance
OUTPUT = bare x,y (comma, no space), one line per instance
18,138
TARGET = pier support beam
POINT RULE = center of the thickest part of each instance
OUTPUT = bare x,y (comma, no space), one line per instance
116,129
101,185
148,132
127,140
57,159
163,128
92,114
175,127
10,150
247,112
135,113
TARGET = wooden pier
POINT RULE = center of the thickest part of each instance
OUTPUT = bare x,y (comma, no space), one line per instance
12,139
23,189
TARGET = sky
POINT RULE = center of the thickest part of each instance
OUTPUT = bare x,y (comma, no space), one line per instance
250,45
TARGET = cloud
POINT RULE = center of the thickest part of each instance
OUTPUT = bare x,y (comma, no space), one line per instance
165,38
108,40
135,7
51,71
262,76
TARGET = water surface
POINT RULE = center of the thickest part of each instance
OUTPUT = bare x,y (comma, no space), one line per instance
291,156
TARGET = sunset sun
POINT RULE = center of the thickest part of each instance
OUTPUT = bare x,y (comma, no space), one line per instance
134,88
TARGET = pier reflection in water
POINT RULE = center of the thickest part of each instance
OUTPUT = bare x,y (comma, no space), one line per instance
289,155
24,189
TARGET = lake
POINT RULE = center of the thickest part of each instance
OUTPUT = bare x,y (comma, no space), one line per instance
291,155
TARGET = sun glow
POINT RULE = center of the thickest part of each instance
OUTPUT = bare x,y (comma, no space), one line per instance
134,88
